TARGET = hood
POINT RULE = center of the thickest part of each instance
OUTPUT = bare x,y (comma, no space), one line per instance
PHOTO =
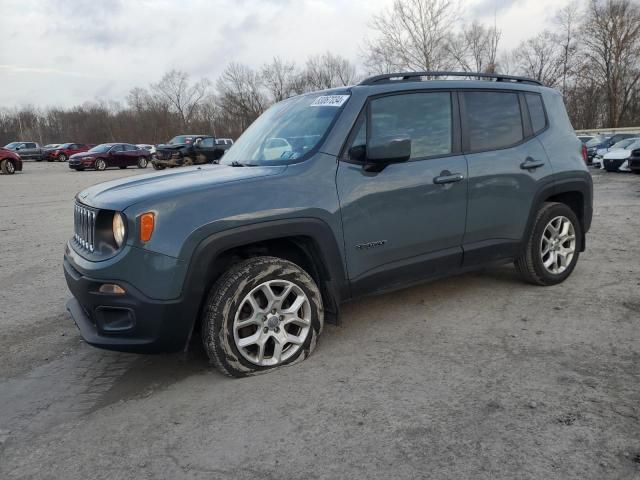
175,146
120,194
618,154
602,151
82,155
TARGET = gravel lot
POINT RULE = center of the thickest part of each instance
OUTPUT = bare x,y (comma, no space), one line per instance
478,376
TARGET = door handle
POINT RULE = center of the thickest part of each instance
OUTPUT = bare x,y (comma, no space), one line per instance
530,164
446,177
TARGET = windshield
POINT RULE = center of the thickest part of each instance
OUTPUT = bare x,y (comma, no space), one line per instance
597,140
64,145
287,131
103,148
180,139
623,143
635,145
12,145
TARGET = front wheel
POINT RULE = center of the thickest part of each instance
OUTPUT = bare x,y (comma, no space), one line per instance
142,162
8,167
187,162
553,247
101,164
62,157
263,313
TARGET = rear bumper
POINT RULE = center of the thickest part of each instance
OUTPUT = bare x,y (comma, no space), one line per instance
131,322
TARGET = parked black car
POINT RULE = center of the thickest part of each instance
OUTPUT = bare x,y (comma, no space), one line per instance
185,150
634,161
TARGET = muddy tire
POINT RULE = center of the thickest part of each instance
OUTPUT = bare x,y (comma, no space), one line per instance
553,247
142,162
101,164
8,167
263,313
156,166
187,162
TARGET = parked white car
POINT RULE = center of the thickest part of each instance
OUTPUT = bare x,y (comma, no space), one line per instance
621,145
149,148
618,159
276,147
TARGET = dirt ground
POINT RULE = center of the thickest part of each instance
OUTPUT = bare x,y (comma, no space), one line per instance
478,376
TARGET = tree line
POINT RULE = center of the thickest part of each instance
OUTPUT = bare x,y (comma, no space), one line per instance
590,52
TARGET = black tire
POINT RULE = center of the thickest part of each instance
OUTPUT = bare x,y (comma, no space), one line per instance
7,166
530,264
101,164
143,162
228,294
62,157
187,162
156,166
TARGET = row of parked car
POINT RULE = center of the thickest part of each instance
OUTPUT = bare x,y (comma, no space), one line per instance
181,150
614,153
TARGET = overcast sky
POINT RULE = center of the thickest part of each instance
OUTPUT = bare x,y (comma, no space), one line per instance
65,52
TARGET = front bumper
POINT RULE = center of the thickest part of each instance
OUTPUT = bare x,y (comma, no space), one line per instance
131,322
634,164
612,165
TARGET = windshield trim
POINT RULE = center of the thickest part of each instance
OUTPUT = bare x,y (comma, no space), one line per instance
316,148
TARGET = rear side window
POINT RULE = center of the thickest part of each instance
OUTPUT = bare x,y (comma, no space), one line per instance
536,112
425,117
493,120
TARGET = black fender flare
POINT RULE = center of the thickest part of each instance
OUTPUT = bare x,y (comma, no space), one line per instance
565,185
198,277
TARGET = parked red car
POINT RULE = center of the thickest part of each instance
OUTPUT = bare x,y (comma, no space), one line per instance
10,161
61,153
106,155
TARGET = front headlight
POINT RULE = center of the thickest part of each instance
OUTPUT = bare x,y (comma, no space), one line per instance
119,229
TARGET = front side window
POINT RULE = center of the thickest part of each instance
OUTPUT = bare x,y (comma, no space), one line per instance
493,119
426,118
206,143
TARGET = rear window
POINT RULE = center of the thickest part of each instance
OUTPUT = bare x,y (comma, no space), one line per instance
536,112
494,120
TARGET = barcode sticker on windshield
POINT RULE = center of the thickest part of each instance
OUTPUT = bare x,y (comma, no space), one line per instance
330,101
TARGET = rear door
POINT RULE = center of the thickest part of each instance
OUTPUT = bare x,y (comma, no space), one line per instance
406,222
116,157
507,165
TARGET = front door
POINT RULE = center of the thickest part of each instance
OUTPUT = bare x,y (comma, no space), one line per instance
406,222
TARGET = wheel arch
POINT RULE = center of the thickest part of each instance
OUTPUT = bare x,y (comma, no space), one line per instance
576,193
308,242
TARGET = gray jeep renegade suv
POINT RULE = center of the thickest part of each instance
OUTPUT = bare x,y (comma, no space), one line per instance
327,197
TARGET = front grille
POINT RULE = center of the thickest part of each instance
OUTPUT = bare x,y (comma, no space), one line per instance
84,226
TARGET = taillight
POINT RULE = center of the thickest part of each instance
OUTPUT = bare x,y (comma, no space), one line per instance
584,153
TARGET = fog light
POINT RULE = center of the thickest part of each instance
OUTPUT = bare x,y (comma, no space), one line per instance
111,288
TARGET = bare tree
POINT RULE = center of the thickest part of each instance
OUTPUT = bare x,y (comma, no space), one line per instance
328,71
540,58
567,19
612,38
240,94
182,96
413,35
475,48
280,78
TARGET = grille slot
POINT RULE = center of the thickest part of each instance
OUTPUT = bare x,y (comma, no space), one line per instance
84,227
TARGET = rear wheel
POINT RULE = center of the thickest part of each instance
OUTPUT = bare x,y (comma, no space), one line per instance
101,164
62,157
187,161
263,313
554,246
8,167
142,162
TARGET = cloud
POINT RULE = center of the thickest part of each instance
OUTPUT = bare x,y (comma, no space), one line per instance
40,70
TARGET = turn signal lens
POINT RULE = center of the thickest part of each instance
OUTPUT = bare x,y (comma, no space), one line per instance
147,224
111,288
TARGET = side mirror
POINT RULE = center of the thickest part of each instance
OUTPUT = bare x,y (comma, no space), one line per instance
17,149
387,150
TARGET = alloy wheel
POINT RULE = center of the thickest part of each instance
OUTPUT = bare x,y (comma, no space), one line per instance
100,164
272,323
558,245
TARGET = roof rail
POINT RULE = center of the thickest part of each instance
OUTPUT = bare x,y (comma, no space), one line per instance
418,76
